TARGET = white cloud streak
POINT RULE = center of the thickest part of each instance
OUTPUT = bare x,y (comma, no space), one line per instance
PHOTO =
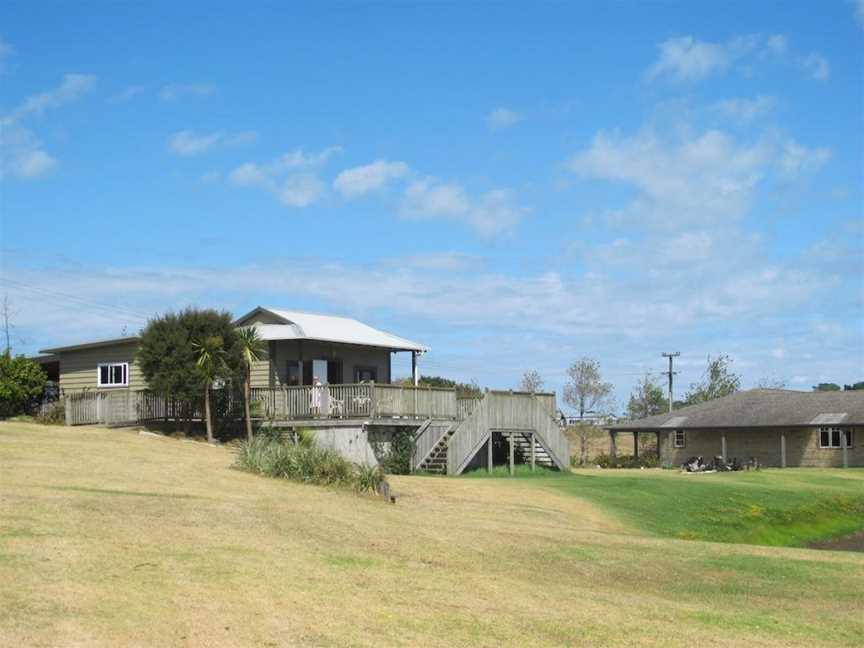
72,88
361,180
502,118
491,213
22,154
176,91
816,66
188,143
292,178
687,59
744,110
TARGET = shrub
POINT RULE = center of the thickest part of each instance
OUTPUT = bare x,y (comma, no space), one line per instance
626,461
369,479
21,382
52,414
305,462
396,459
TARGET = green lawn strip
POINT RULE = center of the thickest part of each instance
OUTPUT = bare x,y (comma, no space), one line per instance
772,507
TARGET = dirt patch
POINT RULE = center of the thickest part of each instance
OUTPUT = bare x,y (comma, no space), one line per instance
851,542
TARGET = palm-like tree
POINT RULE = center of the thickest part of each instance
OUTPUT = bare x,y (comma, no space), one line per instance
211,360
252,350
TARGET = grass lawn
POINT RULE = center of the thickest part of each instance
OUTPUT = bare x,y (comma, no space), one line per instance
110,538
771,507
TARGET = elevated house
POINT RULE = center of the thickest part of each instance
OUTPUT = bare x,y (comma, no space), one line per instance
332,375
776,427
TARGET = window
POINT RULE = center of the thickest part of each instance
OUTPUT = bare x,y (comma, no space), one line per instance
679,440
112,374
830,437
365,374
293,373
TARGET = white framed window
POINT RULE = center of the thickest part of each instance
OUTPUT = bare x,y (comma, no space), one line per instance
679,439
112,374
831,437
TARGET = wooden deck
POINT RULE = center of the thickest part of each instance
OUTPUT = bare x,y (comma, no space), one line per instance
449,430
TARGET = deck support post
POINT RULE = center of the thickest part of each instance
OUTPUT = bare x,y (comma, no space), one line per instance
489,452
783,449
512,462
635,444
723,445
613,450
533,452
415,369
844,438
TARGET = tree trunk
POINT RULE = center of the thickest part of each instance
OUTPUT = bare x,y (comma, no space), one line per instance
247,392
207,420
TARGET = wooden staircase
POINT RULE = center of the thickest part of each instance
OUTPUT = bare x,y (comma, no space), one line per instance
436,461
522,442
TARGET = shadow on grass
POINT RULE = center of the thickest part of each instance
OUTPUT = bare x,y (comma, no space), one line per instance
111,491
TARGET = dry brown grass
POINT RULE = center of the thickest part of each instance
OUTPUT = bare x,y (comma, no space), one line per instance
110,538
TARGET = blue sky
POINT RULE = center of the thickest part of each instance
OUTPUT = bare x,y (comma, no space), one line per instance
514,185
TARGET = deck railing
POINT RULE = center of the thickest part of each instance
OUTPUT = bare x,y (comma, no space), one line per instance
353,401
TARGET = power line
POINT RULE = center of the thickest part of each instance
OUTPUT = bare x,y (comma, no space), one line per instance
75,300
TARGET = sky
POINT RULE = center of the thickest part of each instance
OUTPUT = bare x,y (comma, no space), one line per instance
515,185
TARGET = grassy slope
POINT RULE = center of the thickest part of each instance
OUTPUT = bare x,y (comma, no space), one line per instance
115,539
772,507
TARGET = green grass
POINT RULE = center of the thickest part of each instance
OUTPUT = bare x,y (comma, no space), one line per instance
790,507
770,507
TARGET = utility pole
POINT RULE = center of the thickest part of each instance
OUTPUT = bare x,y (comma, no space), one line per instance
671,373
6,325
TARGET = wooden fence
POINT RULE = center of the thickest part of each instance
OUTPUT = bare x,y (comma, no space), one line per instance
123,406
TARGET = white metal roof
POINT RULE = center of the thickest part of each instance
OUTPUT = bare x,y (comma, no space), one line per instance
297,325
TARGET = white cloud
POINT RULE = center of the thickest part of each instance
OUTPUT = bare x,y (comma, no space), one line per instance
188,143
816,66
174,91
22,154
496,212
127,94
6,50
777,44
301,190
290,177
72,88
491,213
744,110
795,159
686,59
430,198
370,177
708,178
501,118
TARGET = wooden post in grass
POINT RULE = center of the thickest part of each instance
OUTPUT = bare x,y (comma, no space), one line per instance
512,462
489,453
783,449
533,452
